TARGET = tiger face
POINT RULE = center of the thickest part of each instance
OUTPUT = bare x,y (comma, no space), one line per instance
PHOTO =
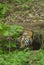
26,38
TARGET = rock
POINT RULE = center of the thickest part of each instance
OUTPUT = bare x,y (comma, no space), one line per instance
36,40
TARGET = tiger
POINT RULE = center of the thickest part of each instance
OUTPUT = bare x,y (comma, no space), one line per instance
30,39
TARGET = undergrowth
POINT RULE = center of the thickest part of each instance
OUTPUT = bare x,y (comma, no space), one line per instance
8,34
3,9
25,57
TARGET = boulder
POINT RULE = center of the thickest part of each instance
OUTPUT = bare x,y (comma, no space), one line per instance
37,40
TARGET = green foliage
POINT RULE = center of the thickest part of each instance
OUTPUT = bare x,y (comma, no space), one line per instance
3,9
25,57
11,32
21,1
15,58
24,6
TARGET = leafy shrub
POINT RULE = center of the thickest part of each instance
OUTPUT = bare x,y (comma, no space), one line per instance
21,1
3,9
8,33
15,58
23,58
10,30
24,6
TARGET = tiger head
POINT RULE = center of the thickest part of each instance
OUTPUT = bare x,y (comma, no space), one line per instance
26,37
